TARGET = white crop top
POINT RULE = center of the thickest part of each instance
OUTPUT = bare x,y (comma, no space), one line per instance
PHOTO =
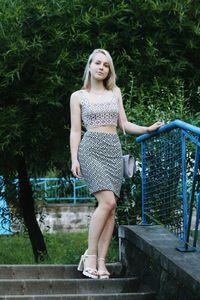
99,113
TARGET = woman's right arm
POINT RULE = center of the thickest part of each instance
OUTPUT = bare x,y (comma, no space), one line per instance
75,133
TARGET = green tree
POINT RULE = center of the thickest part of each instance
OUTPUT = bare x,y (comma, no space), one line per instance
33,104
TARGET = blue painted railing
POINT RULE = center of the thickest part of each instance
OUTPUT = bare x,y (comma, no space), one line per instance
60,189
170,170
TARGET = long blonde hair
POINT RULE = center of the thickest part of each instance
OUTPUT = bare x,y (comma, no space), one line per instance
110,81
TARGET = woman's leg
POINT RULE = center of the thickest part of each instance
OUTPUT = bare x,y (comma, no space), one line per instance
106,204
106,235
104,241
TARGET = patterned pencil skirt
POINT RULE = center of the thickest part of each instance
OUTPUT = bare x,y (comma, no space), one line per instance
100,157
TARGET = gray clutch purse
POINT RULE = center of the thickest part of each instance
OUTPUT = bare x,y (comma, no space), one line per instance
129,166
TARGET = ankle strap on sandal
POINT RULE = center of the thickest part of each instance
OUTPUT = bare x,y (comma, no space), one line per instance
101,258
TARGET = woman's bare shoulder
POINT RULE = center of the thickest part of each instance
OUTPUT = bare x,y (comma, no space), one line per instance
75,96
117,91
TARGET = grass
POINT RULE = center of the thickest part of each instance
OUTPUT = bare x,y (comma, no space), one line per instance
63,248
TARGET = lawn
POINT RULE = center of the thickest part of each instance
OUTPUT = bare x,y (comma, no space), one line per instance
63,248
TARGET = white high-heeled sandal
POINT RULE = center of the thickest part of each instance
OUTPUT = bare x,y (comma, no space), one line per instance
103,274
89,272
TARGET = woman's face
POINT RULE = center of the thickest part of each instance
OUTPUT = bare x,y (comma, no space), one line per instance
99,67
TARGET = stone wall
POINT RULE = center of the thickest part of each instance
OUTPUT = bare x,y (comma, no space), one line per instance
64,217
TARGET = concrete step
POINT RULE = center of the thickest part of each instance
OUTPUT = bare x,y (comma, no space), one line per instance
60,282
115,296
67,286
49,271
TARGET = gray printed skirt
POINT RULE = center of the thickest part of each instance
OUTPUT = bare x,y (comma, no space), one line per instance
100,157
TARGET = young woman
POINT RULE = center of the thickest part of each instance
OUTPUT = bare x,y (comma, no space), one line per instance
98,156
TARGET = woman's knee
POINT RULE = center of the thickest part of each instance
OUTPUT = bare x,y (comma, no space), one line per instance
107,199
112,213
111,204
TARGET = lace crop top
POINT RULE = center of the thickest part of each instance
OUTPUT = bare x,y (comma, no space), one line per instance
99,114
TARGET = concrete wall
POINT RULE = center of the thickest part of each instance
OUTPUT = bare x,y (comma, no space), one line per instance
150,252
64,217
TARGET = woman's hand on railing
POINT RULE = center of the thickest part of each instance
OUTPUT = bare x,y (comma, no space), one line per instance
155,126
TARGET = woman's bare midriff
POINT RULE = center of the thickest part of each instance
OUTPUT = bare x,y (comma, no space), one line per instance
106,129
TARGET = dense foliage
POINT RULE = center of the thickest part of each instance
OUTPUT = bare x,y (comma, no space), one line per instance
44,47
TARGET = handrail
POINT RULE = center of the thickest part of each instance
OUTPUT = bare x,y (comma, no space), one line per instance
52,188
166,183
174,124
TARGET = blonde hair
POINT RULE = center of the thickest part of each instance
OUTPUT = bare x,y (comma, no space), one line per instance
110,81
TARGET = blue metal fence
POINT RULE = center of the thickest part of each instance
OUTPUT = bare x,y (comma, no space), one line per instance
60,189
170,168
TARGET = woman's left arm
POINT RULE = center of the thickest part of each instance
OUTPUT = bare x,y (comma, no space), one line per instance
132,128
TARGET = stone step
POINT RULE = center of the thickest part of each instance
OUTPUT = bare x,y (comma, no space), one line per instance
115,296
50,271
68,286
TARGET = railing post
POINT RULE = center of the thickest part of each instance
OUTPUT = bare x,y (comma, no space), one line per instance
197,220
194,180
187,222
184,185
143,149
45,189
74,190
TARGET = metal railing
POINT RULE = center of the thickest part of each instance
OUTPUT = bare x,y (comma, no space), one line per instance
60,189
170,170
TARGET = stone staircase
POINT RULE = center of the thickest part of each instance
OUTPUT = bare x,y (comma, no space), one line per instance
60,282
